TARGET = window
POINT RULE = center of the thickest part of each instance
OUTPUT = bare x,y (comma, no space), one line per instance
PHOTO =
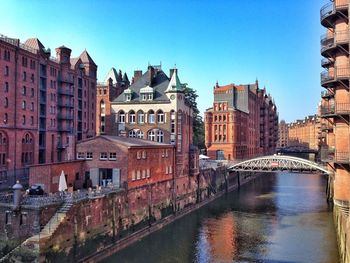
151,135
103,156
81,155
166,169
6,102
172,117
144,154
138,175
24,105
143,174
23,119
89,155
151,117
31,120
6,72
160,117
24,76
170,169
113,156
132,134
32,92
138,155
132,117
32,78
5,118
148,173
24,90
140,117
133,176
121,118
6,88
32,106
160,136
140,134
23,218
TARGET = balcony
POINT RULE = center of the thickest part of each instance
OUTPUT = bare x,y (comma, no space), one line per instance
337,109
62,116
337,74
326,62
63,128
342,157
66,79
327,154
68,92
330,41
65,104
327,94
330,12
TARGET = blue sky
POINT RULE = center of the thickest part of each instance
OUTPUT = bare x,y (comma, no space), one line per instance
276,41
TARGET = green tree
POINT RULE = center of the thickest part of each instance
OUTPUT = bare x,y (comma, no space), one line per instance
198,124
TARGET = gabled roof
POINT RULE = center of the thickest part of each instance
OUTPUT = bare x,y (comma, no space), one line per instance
160,83
34,43
113,74
86,59
174,84
125,77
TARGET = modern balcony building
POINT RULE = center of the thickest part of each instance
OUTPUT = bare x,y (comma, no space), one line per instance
46,104
335,104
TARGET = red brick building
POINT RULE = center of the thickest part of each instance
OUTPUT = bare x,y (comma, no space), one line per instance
114,84
46,105
243,123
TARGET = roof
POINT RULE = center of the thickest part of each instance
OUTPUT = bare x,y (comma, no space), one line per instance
34,43
174,84
160,83
113,74
85,58
128,142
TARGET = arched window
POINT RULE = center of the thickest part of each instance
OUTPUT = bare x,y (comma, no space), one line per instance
132,116
133,133
140,117
5,118
160,116
6,102
102,107
27,149
151,135
140,134
3,149
151,117
24,105
121,117
160,136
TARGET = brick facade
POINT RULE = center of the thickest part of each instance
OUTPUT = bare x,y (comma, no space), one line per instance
241,124
46,105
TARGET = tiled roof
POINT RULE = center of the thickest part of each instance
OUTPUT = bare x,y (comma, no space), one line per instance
159,84
132,142
34,43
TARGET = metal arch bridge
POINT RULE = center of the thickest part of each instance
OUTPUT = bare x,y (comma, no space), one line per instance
278,163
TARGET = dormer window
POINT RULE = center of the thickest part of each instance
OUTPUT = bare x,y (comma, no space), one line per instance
128,94
147,93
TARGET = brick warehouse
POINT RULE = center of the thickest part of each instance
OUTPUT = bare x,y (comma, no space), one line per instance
47,104
243,123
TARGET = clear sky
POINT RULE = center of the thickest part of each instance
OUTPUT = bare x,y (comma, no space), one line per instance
276,41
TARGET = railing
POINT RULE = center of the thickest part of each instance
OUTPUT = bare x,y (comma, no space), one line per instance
340,72
331,8
66,91
339,108
65,104
325,62
66,79
329,40
342,157
65,116
327,94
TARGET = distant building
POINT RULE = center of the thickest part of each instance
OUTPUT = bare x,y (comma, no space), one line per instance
305,133
47,104
114,84
242,123
282,134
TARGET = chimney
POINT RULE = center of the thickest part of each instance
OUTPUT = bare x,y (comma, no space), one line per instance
63,55
151,74
137,75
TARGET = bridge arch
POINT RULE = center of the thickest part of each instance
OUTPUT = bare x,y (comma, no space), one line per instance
278,163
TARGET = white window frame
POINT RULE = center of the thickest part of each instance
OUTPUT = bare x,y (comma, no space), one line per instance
103,156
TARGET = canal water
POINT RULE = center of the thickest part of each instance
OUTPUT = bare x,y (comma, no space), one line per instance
280,217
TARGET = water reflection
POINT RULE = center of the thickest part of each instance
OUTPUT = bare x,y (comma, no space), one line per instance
276,218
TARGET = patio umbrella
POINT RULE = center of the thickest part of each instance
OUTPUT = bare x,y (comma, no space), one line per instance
62,185
203,157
